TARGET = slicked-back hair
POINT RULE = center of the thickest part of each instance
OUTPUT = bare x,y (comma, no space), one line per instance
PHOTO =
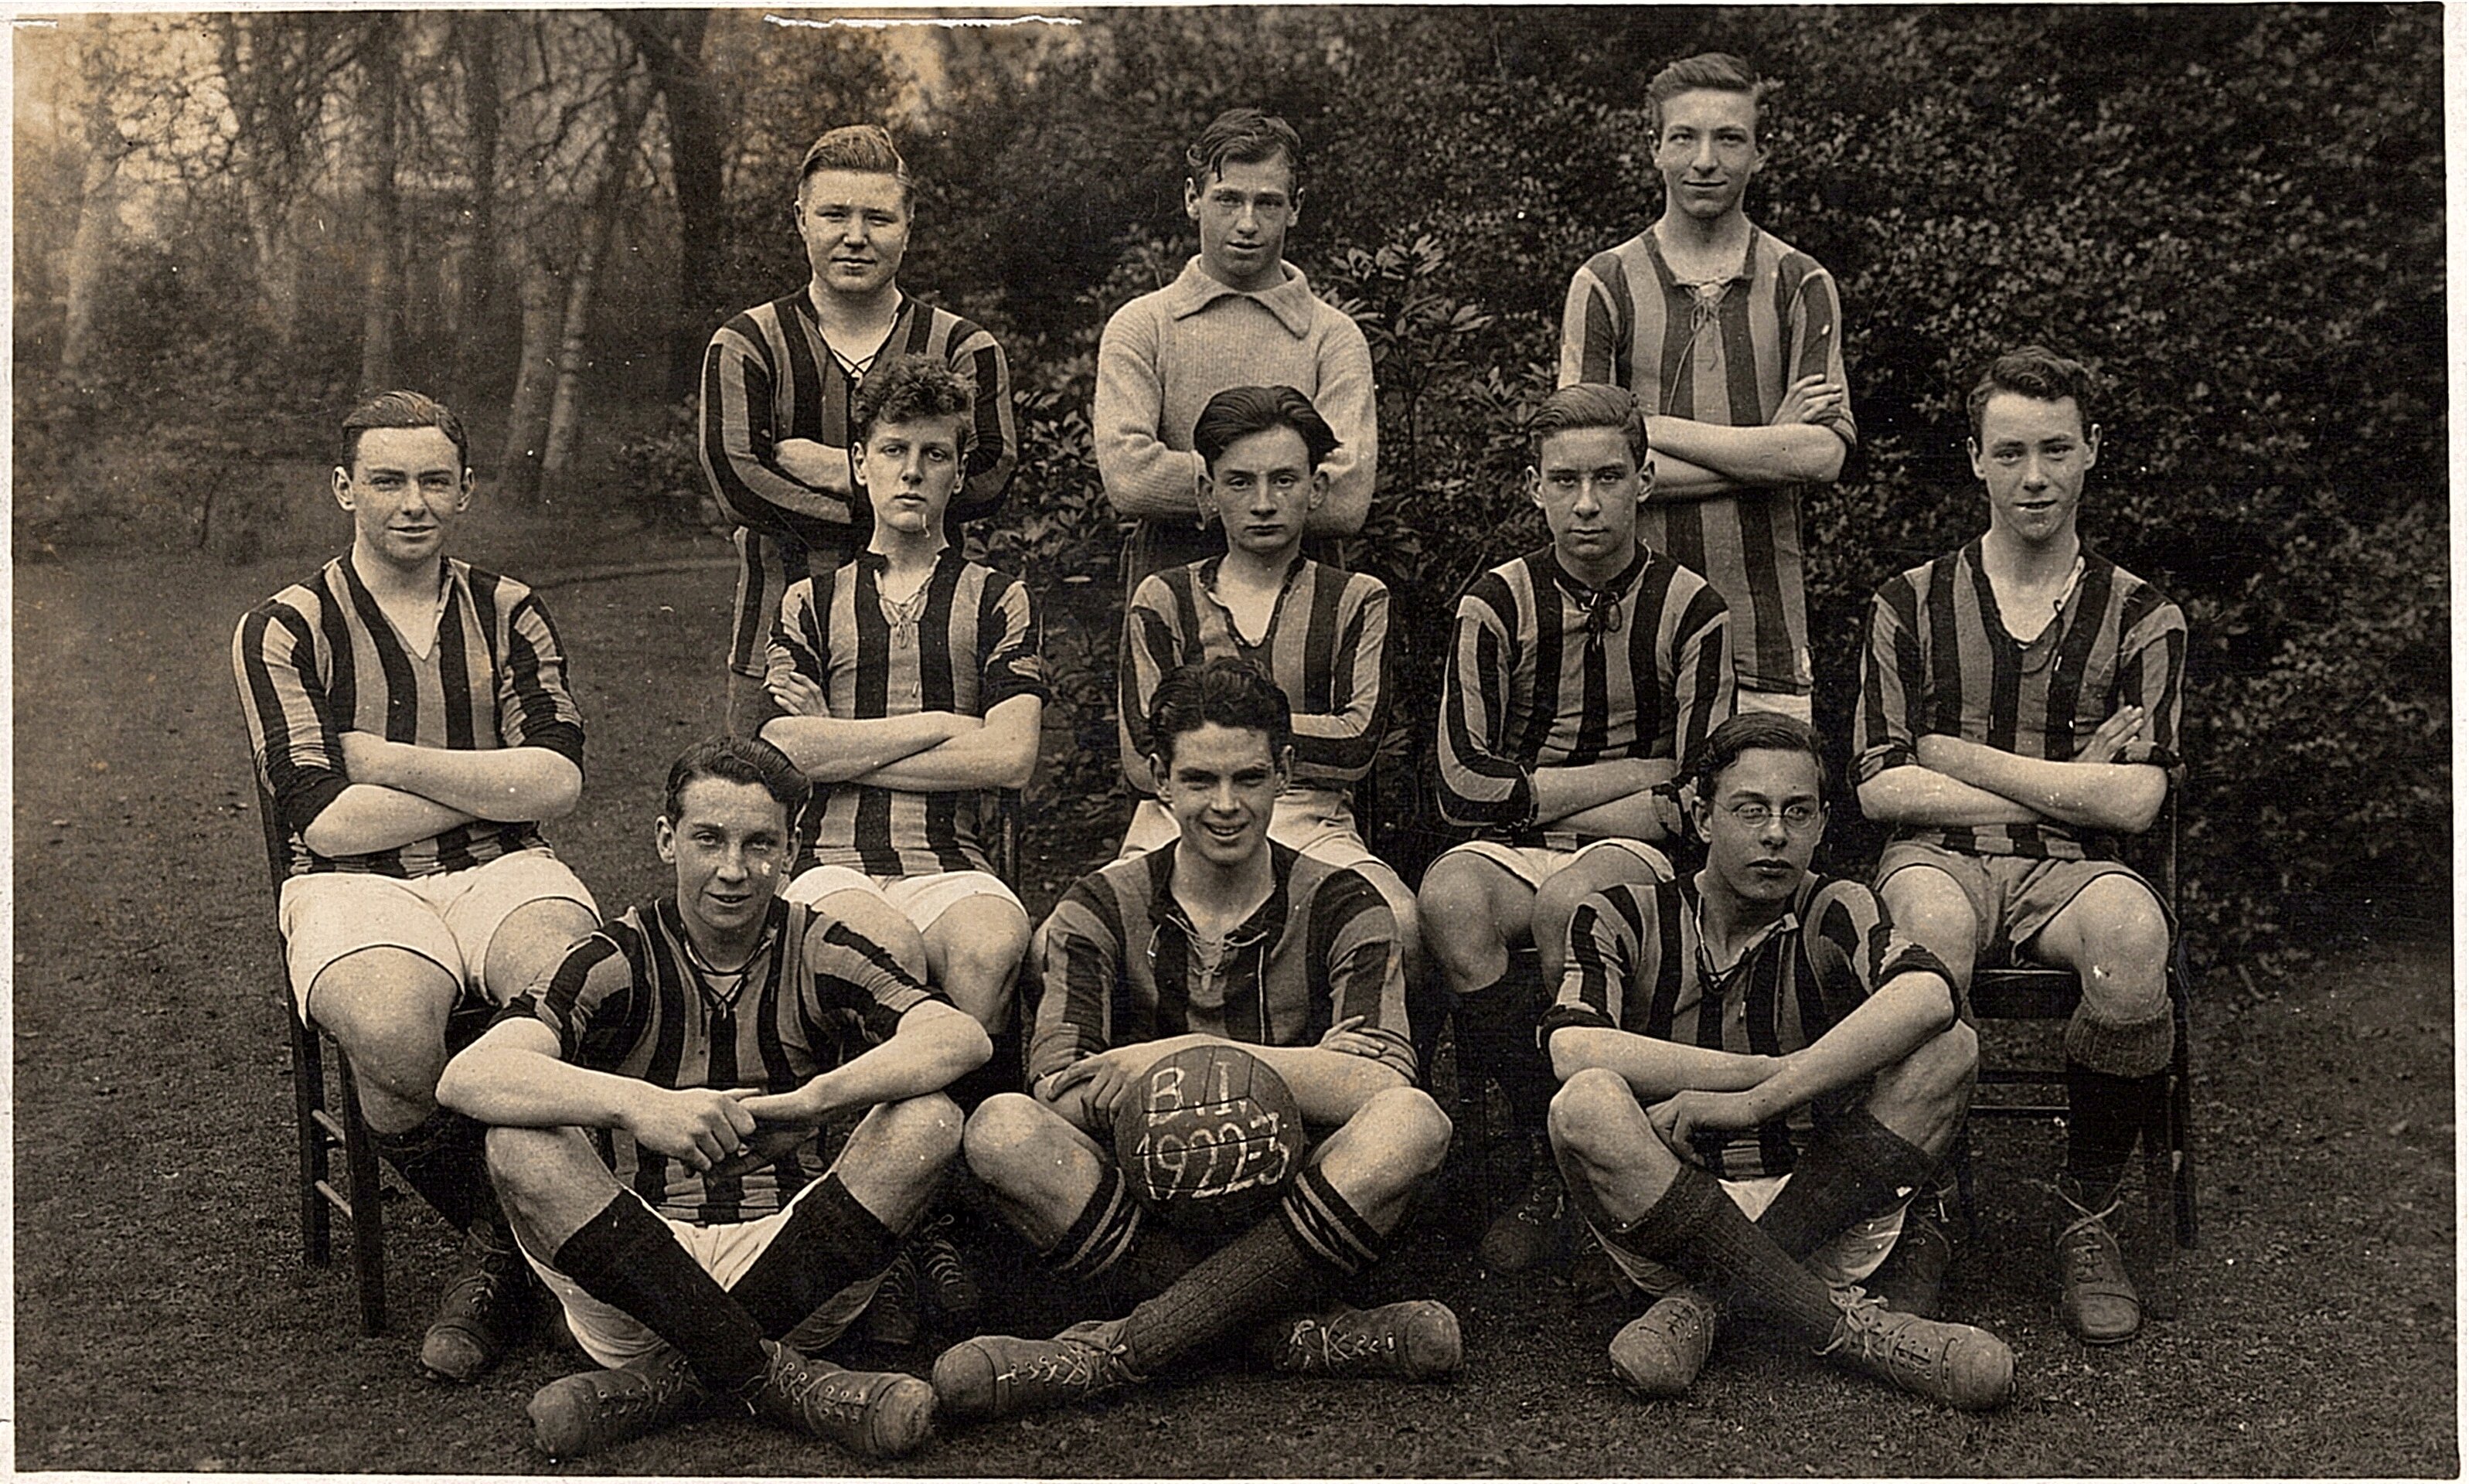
403,409
1242,136
1756,731
911,389
1229,691
2041,373
1719,72
1239,412
1590,404
864,148
737,759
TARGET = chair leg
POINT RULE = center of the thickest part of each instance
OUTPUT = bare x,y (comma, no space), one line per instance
2181,1117
307,1097
368,1209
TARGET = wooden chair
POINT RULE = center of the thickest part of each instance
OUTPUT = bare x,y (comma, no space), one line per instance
326,1123
2021,993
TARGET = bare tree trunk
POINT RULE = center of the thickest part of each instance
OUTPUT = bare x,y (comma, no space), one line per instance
98,204
599,226
382,230
672,41
518,474
479,34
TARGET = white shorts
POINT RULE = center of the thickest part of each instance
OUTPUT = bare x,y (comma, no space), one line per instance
449,918
921,899
612,1336
1314,822
1849,1258
1536,864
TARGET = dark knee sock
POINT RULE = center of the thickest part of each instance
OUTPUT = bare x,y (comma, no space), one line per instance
1497,1026
1286,1261
625,1257
2104,1113
1696,1230
829,1242
440,1160
1854,1168
1113,1238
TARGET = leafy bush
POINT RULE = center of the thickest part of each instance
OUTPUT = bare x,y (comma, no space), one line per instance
656,470
163,444
2233,213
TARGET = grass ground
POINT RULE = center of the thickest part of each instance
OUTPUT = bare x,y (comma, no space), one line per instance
165,1323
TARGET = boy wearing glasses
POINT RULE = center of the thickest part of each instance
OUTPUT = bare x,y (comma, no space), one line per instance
1759,1072
1582,680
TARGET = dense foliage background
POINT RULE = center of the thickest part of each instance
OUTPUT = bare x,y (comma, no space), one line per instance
2234,212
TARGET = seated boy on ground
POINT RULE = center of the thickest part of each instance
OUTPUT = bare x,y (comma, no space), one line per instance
1151,945
1759,1075
653,1110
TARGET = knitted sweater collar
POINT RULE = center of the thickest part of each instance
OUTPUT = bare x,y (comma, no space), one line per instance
1292,301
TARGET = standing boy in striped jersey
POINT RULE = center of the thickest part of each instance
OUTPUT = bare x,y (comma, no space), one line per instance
1584,679
1239,314
2019,710
411,723
1760,1073
779,383
654,1108
1322,634
1222,935
1733,340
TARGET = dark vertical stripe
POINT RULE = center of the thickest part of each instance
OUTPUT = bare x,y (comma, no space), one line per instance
1543,653
1684,533
1320,675
934,637
807,386
1945,653
1674,932
342,659
1757,510
455,677
871,830
1171,1013
2087,617
1746,408
1594,707
2004,669
401,689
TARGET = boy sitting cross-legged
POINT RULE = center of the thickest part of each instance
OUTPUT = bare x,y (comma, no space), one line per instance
1226,936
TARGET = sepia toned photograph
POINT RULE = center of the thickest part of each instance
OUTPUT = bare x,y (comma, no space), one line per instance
1233,741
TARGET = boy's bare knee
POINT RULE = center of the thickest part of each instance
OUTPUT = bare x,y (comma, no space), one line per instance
1413,1127
1006,1130
1586,1107
929,1126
